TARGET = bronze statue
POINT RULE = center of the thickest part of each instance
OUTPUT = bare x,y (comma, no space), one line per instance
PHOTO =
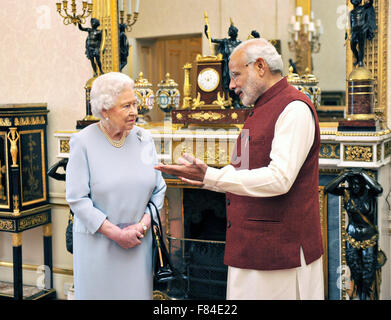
361,235
52,172
255,34
93,45
123,46
362,20
225,47
293,65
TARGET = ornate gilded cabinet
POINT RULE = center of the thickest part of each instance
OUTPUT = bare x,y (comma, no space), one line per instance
24,185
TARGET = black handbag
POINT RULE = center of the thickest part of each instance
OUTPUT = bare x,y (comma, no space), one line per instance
163,269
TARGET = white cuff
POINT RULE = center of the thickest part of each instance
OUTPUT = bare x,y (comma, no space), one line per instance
211,178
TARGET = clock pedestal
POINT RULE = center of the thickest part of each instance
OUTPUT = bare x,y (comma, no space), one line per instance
210,117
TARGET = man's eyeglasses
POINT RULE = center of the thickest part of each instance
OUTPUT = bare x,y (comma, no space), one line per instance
234,75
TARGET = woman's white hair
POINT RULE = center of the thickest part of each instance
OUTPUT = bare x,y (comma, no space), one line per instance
261,48
105,90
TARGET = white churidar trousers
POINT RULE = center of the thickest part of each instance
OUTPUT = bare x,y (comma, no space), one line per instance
301,283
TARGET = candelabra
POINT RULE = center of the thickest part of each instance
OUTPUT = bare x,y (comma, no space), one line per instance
74,18
131,17
304,37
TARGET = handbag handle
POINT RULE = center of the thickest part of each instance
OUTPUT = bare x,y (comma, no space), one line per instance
157,232
150,203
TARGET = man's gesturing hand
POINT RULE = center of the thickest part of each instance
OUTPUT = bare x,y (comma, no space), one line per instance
191,170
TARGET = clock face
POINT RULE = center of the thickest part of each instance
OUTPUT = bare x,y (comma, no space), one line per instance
208,79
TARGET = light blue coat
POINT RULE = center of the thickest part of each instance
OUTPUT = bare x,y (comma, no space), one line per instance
104,182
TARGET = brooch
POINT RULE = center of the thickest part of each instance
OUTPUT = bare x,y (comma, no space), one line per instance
140,135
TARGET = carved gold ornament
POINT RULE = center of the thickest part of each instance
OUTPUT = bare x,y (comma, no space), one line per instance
16,205
7,225
364,244
32,221
207,116
197,102
358,153
222,102
13,137
64,146
5,122
28,121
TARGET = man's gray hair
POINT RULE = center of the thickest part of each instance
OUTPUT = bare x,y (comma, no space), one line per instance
261,48
105,90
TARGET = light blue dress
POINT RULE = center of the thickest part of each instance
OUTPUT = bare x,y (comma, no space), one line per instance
105,182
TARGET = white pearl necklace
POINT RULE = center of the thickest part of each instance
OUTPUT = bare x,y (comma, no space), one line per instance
117,144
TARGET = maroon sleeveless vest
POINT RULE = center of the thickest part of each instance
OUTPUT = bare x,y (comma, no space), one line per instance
266,233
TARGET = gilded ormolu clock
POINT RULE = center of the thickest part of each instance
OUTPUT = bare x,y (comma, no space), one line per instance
209,88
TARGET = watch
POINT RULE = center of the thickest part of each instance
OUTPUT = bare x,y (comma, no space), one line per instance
144,227
208,79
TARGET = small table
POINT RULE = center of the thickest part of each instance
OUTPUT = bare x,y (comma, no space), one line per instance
16,224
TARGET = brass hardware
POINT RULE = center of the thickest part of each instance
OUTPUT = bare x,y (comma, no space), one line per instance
16,239
13,137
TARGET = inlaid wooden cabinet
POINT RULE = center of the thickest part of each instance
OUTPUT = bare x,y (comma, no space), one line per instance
24,184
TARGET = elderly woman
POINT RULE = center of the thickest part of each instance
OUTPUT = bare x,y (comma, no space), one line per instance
110,178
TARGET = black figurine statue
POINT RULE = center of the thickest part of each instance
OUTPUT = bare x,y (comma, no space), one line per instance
362,20
255,34
123,46
225,47
361,233
293,65
52,172
93,44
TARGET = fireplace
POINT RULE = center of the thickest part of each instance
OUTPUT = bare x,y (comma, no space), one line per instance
199,254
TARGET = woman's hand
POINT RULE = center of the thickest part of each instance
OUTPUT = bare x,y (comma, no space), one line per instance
129,237
145,221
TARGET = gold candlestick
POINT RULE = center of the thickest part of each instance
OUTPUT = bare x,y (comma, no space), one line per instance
74,18
131,18
187,87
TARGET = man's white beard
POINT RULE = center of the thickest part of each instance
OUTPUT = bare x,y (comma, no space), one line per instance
250,92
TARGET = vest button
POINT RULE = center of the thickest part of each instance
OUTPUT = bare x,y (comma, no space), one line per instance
228,202
251,113
228,224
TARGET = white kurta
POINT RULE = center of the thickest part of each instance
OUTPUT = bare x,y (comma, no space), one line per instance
293,138
104,182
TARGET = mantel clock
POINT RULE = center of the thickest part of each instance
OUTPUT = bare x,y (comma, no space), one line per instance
209,90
